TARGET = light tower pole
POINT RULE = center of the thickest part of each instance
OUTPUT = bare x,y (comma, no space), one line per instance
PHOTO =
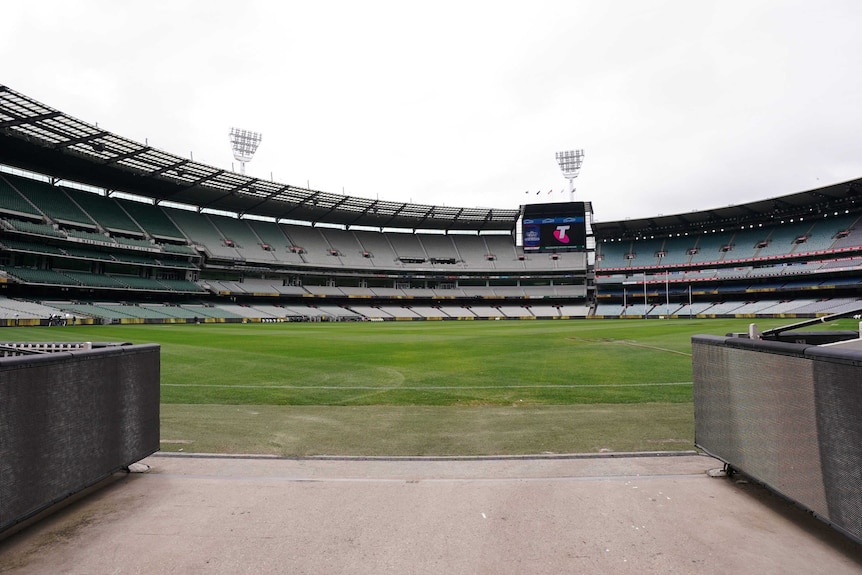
570,163
244,144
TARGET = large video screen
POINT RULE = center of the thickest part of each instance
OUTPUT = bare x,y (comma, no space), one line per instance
554,227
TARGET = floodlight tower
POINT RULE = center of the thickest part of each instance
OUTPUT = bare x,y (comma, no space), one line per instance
570,163
244,144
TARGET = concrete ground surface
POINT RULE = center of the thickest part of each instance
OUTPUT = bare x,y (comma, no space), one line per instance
567,514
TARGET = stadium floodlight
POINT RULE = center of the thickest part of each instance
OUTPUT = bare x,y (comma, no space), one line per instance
570,163
244,144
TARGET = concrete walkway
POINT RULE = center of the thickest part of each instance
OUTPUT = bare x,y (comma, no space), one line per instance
578,514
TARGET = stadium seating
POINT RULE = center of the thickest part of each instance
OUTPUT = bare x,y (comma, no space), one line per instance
178,249
39,276
104,310
613,255
543,311
474,251
311,245
409,250
152,219
609,310
483,311
51,201
331,312
180,285
514,311
399,312
14,203
850,234
710,247
238,235
217,311
32,247
104,211
345,246
428,312
11,308
64,238
439,248
378,247
95,280
675,251
205,234
34,228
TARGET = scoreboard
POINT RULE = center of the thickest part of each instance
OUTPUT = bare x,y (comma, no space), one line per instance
554,227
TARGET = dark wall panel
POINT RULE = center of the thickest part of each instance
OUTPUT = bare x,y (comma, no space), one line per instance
68,420
786,415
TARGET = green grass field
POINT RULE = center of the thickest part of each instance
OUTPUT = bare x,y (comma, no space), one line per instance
421,388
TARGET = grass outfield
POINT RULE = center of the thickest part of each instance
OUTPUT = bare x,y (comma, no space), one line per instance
421,388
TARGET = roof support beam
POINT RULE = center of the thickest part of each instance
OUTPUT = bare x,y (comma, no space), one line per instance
304,203
127,155
81,139
334,207
168,168
31,120
371,207
266,199
231,192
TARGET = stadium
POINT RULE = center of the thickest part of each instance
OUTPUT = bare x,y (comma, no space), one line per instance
245,249
99,230
193,264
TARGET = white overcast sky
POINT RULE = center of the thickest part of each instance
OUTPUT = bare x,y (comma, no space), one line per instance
678,105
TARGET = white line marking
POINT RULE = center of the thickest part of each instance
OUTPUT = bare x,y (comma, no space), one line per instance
635,344
422,387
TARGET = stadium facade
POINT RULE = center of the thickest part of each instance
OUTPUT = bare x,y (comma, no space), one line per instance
95,227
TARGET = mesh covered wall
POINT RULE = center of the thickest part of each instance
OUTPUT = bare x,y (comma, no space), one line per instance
70,419
787,415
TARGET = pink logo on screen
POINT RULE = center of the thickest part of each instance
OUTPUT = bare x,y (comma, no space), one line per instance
560,234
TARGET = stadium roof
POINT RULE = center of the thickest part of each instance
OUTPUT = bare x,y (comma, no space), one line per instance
36,137
813,203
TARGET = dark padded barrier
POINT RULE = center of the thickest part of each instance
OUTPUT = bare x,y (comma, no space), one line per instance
71,419
787,415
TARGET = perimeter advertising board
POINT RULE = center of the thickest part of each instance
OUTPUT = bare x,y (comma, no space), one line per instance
554,227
